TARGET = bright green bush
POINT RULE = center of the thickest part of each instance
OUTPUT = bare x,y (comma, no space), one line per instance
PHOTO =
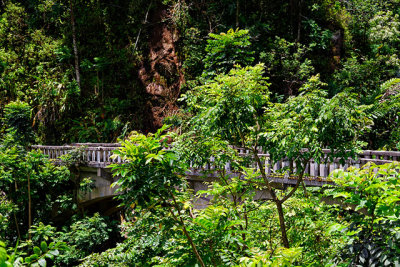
374,192
225,50
83,237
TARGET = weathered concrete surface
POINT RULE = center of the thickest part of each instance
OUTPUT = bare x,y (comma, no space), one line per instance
201,202
102,179
102,195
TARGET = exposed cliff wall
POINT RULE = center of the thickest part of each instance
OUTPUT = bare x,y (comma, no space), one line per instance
161,72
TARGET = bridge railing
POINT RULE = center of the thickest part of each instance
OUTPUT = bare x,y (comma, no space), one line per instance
324,166
99,155
93,155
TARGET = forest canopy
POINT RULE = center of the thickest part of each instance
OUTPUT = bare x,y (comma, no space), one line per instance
94,71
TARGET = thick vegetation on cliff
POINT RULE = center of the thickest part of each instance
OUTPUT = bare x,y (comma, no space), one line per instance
180,82
94,71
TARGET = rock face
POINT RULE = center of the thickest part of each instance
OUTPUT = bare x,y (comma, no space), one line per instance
337,48
161,74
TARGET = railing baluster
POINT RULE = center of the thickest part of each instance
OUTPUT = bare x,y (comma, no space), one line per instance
307,172
268,165
212,163
326,169
228,166
316,168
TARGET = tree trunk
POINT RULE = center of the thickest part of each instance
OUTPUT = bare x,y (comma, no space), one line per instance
29,207
75,46
237,14
291,14
304,189
278,202
282,225
299,21
188,237
16,226
192,244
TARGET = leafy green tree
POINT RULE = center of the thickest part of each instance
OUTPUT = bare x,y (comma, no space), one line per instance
287,65
151,236
17,122
384,32
363,76
229,105
300,128
39,256
84,236
225,50
32,181
151,176
231,109
385,111
7,210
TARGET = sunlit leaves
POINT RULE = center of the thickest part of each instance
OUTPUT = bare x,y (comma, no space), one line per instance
149,170
374,192
374,187
283,257
230,105
305,124
225,50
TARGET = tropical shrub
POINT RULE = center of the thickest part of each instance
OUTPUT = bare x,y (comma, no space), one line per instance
374,192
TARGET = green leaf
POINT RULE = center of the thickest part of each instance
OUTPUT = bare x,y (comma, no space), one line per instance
361,205
37,251
341,194
54,252
43,246
48,255
336,227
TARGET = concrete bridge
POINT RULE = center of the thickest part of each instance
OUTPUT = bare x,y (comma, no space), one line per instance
97,157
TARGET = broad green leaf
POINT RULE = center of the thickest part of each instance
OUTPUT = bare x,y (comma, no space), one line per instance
37,251
43,246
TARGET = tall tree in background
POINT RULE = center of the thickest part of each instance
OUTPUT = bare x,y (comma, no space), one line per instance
74,43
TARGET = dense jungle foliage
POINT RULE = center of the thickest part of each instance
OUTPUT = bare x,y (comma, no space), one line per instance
178,83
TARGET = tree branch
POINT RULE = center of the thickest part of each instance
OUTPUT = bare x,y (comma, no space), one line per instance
298,182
